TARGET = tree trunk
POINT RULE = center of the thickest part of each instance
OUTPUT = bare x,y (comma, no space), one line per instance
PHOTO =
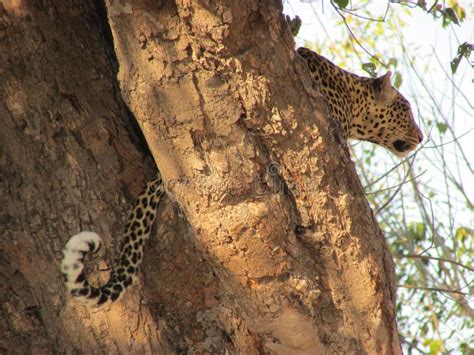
265,242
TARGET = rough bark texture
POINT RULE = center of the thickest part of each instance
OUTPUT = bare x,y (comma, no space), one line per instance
265,243
69,161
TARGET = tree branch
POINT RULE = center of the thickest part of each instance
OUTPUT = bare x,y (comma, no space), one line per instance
434,289
427,257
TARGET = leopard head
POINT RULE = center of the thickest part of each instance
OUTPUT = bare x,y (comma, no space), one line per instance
388,119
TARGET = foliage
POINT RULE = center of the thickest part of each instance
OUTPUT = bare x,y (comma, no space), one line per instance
464,51
294,23
452,13
424,203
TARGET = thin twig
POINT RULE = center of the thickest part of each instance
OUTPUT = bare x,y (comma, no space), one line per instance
427,257
386,10
361,16
434,289
353,35
404,181
397,185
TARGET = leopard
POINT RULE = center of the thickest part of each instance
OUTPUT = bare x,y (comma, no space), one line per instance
368,109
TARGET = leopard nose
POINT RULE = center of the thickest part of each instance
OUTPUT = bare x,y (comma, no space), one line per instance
420,137
419,134
401,146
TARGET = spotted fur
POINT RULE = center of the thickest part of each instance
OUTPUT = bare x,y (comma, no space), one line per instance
137,231
368,109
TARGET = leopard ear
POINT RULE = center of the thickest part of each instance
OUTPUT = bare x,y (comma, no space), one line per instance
384,91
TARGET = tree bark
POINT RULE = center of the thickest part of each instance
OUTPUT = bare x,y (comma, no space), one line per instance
70,160
265,244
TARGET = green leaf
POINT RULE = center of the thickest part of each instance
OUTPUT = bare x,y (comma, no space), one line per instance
342,3
460,12
462,233
435,345
294,23
442,127
393,62
422,4
464,50
465,348
420,228
370,68
397,80
451,14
